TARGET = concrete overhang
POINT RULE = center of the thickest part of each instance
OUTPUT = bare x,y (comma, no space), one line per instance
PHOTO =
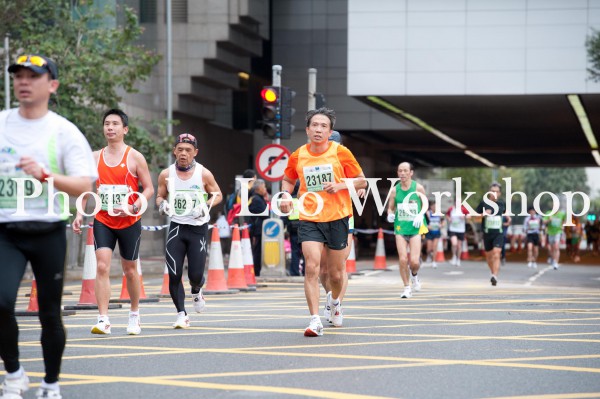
491,130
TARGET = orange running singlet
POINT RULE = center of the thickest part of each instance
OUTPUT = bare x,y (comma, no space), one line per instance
113,184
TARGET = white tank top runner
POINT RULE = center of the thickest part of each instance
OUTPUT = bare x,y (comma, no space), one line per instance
181,192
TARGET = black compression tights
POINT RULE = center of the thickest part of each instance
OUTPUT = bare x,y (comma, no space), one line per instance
46,252
185,240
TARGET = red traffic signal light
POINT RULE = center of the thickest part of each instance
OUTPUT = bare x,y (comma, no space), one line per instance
269,94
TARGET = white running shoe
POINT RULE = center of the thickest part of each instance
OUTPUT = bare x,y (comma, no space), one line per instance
133,327
199,302
183,321
327,309
453,260
314,329
534,265
337,315
416,283
13,388
102,327
555,265
530,264
407,292
48,393
457,263
434,265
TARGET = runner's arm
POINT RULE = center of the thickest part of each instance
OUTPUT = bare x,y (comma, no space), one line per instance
162,192
211,187
143,174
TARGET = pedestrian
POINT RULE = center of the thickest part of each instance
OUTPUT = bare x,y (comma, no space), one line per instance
37,144
493,212
320,166
257,205
120,171
324,269
233,204
186,192
405,209
457,224
532,226
554,226
576,233
291,223
435,224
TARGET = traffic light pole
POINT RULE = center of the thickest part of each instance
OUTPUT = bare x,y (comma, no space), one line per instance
275,187
312,88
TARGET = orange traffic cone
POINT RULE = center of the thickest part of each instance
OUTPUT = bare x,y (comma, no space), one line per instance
33,308
247,257
33,299
235,272
164,289
88,293
439,253
351,261
215,281
380,261
464,255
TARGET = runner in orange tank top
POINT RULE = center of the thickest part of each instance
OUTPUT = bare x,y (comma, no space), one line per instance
120,170
321,166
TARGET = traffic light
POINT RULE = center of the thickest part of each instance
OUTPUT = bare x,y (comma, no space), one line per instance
320,101
271,112
287,111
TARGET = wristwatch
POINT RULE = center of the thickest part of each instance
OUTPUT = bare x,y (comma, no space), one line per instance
135,208
45,173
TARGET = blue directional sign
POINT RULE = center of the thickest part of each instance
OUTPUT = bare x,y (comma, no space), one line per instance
271,228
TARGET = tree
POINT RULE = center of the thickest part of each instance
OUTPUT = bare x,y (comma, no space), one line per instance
556,181
97,55
478,180
593,47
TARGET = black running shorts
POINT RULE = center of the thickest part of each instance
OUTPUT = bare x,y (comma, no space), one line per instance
128,239
334,234
493,240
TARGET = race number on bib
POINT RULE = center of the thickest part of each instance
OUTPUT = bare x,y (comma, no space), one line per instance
113,195
534,224
556,222
493,222
187,200
407,212
316,176
8,192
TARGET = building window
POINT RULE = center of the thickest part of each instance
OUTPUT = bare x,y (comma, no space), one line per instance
179,11
148,11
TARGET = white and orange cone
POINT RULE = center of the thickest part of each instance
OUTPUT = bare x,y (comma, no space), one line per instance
247,257
439,253
164,289
33,306
215,281
351,261
464,255
380,259
88,292
236,279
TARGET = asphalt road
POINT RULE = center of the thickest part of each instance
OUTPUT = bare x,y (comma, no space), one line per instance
537,334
